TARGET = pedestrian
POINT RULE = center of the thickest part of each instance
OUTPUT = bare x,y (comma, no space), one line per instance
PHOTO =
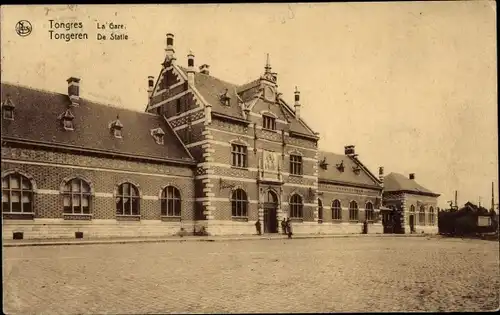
257,226
283,226
365,227
289,227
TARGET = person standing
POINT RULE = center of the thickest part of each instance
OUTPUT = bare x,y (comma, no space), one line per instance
289,227
258,227
283,226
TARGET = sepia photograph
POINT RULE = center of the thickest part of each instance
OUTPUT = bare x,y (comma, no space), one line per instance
250,158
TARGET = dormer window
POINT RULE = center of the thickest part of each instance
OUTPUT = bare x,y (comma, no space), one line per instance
269,122
340,166
225,99
67,120
158,134
356,169
323,164
8,109
178,106
116,128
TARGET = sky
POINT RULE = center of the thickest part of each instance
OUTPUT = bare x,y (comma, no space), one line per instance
412,85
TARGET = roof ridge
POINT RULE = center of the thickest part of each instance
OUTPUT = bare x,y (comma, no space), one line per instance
83,98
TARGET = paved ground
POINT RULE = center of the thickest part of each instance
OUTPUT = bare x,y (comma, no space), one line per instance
301,275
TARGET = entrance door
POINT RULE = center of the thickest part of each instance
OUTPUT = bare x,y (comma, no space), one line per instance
412,223
388,222
270,213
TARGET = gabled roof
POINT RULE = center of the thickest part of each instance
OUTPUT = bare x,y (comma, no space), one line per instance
211,88
398,182
332,174
36,120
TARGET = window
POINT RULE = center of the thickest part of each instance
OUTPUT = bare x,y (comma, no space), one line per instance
17,194
8,113
239,203
239,155
296,207
296,164
369,211
269,122
170,202
68,124
353,211
178,107
320,210
421,215
127,200
336,210
431,216
76,197
117,133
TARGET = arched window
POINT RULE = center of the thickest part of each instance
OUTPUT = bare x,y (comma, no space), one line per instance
17,194
76,197
336,210
127,200
170,202
296,206
369,213
239,203
431,216
412,209
353,211
320,210
421,215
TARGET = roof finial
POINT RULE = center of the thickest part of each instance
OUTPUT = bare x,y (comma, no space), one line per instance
268,65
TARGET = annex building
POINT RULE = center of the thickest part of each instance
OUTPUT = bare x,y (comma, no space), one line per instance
204,155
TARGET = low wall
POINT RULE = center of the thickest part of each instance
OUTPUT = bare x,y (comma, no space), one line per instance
427,229
59,228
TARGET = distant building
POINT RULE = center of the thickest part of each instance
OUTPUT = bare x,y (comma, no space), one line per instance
206,153
417,203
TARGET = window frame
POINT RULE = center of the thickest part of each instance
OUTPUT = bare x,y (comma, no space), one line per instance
296,165
421,215
268,122
80,194
171,198
239,203
369,209
336,210
134,199
239,155
431,216
10,112
353,211
296,207
29,191
178,107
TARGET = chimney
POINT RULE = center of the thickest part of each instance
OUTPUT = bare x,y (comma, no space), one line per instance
381,174
204,69
412,176
190,70
74,90
151,83
297,103
349,150
169,51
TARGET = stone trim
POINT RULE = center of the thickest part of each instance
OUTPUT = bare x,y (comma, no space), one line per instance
77,176
21,172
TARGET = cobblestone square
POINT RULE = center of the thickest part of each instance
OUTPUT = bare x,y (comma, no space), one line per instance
298,275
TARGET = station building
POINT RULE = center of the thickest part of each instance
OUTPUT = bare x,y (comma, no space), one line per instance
205,155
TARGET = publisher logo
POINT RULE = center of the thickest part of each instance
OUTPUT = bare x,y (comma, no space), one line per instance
23,28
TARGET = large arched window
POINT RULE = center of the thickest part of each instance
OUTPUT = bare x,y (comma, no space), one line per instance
412,209
421,215
370,215
17,194
320,210
336,210
353,211
127,200
296,206
239,203
170,202
76,197
431,216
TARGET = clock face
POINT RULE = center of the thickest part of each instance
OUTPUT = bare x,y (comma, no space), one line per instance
269,94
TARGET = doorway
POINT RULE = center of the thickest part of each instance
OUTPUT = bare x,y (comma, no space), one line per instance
412,223
270,213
